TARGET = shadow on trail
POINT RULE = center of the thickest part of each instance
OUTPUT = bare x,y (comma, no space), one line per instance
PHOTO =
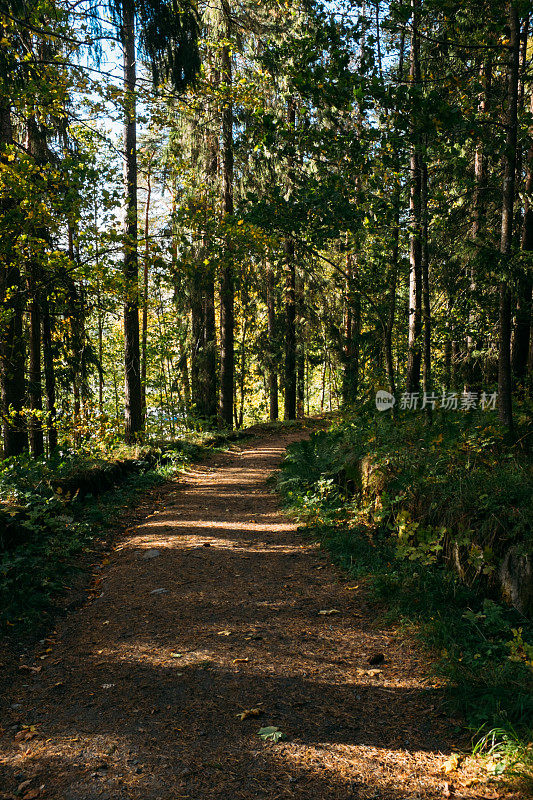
141,698
175,734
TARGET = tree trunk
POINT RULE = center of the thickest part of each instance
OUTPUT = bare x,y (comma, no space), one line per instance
504,355
239,418
12,349
391,306
415,249
227,289
76,317
210,378
12,365
35,428
300,352
290,331
204,344
210,346
290,292
426,307
132,359
352,332
522,331
99,315
391,309
273,407
144,339
49,375
473,371
36,145
197,340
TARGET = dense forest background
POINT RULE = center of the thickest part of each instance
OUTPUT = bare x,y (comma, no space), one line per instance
218,213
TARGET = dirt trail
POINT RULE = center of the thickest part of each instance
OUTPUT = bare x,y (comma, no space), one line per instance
140,693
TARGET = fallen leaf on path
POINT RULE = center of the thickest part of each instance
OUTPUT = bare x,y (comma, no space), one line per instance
176,655
240,660
371,672
451,763
224,633
250,712
271,734
327,611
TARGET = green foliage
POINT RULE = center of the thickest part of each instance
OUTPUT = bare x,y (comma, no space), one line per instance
508,752
426,513
53,531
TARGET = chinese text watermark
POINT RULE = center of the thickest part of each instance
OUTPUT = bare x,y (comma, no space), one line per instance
446,401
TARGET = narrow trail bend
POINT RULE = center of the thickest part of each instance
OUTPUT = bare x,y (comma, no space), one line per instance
140,694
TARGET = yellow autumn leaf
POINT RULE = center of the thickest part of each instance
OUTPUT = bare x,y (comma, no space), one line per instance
451,763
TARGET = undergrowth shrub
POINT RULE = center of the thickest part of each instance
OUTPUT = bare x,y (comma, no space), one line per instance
426,512
51,533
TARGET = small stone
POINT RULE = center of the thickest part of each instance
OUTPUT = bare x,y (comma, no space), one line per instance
151,554
159,591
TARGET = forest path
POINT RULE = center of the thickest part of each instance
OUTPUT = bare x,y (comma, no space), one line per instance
139,695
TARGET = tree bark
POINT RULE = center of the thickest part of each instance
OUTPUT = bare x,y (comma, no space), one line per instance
239,416
49,375
35,428
202,295
132,358
210,359
415,250
290,331
36,145
290,292
99,314
197,340
391,306
505,409
472,368
522,331
12,348
273,406
300,351
144,339
352,332
227,289
426,306
76,316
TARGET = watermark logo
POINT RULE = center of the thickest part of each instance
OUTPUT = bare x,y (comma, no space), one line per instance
384,400
446,401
